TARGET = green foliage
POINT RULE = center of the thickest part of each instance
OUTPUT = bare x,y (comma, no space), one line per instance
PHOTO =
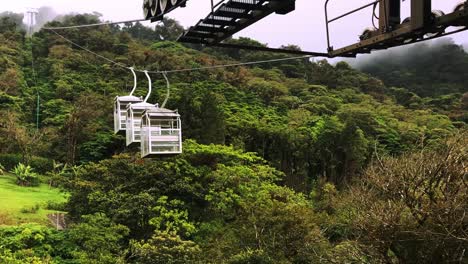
171,218
55,205
31,210
281,129
8,101
10,21
169,30
428,70
165,248
31,243
9,161
41,165
251,256
169,46
25,176
97,240
19,197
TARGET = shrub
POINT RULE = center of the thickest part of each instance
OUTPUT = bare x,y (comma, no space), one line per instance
164,248
34,243
251,256
25,176
30,209
55,206
414,205
42,165
9,161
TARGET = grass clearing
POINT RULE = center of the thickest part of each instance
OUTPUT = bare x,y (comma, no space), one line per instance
26,204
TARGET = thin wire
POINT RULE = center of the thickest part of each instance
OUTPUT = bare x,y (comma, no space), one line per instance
236,64
96,24
92,52
158,17
31,17
187,69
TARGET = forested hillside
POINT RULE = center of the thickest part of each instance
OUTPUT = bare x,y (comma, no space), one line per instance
425,75
284,162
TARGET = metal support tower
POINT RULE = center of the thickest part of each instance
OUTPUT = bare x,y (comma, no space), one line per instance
31,18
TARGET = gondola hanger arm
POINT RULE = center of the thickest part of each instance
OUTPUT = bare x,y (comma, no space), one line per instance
134,80
168,85
150,86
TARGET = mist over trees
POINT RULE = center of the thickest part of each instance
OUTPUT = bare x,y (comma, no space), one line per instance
424,76
437,68
45,14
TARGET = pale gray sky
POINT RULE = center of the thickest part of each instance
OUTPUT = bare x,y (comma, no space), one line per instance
304,27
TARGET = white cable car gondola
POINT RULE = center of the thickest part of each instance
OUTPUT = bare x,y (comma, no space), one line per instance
120,107
161,133
161,130
134,114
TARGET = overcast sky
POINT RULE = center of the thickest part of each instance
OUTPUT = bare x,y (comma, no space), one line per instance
304,27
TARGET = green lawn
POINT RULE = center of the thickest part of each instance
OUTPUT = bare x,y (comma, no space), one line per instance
14,198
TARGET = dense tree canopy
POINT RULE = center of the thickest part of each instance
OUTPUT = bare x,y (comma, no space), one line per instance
294,162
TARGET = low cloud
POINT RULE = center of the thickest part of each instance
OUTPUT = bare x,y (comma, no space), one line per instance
401,55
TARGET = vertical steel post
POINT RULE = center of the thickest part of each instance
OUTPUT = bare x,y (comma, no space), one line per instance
389,14
421,13
327,25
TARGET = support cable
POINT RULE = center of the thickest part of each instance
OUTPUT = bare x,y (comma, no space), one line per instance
90,51
121,65
96,24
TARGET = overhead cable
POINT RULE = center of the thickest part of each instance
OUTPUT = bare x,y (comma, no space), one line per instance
92,52
119,64
95,25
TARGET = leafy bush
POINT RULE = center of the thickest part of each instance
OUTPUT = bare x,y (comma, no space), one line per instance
42,165
30,209
420,199
164,248
251,256
98,240
9,161
33,243
25,176
55,206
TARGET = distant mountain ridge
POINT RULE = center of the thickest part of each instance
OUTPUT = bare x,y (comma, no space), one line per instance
427,69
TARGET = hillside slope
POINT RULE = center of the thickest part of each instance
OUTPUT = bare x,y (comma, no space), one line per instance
308,119
285,162
26,204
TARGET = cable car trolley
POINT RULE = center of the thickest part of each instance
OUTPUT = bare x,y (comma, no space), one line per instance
161,132
120,111
134,115
120,108
157,129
